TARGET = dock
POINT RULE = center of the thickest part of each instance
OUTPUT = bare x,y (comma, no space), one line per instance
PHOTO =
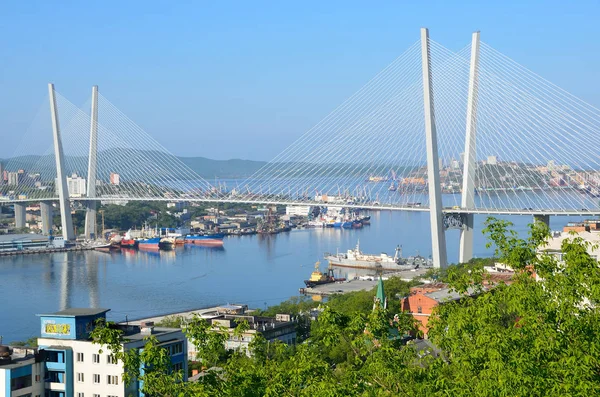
46,250
343,287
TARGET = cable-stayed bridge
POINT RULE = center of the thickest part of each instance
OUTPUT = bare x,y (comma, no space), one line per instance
455,133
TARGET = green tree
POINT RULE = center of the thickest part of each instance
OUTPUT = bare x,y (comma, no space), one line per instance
532,337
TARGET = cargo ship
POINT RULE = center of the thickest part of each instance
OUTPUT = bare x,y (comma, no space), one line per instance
318,278
212,239
149,243
355,258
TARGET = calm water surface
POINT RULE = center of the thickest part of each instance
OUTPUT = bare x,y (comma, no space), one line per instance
257,270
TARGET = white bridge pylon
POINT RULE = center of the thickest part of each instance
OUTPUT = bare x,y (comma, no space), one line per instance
458,132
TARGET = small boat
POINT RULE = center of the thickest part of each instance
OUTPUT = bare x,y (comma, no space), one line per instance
377,179
318,278
347,224
149,243
357,224
104,247
366,220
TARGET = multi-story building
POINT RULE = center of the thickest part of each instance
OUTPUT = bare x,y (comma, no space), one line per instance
298,210
422,300
13,178
281,327
21,372
114,178
68,364
77,185
588,231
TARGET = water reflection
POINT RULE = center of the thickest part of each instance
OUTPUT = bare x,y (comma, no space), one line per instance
249,269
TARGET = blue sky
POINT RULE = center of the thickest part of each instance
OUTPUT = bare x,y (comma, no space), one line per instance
225,79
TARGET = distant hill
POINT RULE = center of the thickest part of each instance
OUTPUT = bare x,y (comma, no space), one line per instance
235,168
206,168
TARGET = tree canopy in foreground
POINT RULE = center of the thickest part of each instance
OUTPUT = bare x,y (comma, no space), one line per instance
537,336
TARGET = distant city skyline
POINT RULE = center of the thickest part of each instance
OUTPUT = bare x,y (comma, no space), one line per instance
245,80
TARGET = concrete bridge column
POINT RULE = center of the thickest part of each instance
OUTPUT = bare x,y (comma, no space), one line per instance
20,212
436,216
465,252
63,191
545,219
90,213
47,216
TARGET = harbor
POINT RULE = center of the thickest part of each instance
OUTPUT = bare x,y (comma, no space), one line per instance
257,269
360,283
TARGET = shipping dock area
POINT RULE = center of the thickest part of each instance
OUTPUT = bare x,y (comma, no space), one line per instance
362,283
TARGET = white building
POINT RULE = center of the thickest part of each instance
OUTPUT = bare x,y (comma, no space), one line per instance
73,365
492,160
14,178
554,243
76,185
298,210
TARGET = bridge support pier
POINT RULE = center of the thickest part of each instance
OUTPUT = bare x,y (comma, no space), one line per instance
63,191
47,215
465,252
436,216
90,213
545,219
20,214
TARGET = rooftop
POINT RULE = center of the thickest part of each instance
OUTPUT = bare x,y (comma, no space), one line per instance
446,294
20,356
133,333
5,238
76,312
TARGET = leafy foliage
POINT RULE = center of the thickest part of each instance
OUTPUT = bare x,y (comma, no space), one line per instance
538,335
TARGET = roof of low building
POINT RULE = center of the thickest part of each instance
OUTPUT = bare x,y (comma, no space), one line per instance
22,237
447,294
76,312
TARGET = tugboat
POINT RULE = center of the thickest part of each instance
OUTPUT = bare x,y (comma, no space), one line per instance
318,278
128,242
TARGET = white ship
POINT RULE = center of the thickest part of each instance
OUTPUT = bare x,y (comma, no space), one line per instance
354,258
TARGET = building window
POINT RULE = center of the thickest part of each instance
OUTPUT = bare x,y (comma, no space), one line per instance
37,378
80,394
419,309
110,359
96,378
55,357
55,376
20,382
177,367
177,348
96,358
79,376
112,379
96,395
79,357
